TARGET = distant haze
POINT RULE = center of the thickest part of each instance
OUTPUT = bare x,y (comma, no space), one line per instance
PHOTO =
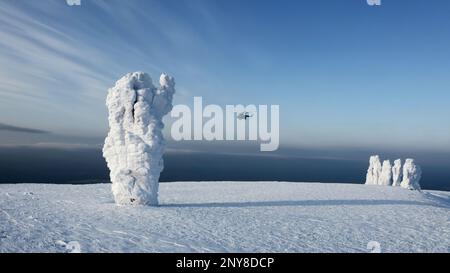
86,165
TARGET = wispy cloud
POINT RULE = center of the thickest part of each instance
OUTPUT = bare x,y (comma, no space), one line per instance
54,146
48,74
57,62
11,128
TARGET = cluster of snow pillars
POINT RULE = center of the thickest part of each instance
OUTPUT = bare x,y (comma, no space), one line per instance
135,145
385,174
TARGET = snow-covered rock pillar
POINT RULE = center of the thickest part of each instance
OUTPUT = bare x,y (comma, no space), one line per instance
374,171
135,145
386,174
397,173
411,175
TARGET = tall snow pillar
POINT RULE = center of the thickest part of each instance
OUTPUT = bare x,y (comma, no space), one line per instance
397,173
386,174
411,175
135,145
374,171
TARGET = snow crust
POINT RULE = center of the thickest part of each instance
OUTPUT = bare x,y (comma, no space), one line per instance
225,217
134,146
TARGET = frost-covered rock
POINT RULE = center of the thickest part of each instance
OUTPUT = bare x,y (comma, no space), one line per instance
374,171
407,176
134,146
386,174
411,175
397,173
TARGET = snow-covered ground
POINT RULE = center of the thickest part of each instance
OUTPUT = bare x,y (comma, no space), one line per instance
225,217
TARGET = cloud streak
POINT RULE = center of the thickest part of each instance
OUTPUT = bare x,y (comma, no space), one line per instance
17,129
57,59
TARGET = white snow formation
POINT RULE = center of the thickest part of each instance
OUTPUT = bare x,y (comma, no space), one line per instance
397,173
134,146
374,171
411,175
388,175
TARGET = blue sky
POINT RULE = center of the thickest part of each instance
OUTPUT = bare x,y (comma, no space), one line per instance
344,73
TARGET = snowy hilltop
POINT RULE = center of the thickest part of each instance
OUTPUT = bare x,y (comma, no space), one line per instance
135,144
385,174
225,217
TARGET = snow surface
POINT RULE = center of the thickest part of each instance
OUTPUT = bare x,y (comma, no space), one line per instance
225,217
